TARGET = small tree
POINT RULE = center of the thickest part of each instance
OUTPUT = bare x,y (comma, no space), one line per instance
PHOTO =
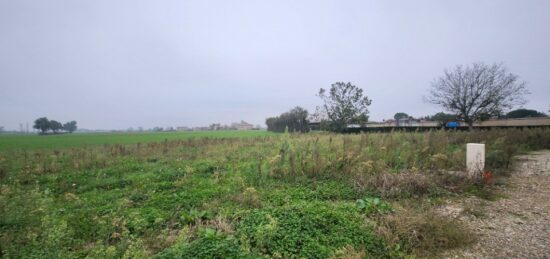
400,115
477,92
344,104
42,124
70,126
55,126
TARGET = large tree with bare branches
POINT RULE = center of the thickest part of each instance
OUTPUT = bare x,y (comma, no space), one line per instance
478,91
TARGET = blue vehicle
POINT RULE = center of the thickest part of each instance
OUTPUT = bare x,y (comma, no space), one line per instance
452,124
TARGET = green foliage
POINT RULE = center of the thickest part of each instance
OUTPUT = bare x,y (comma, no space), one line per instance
209,233
55,126
497,158
309,230
42,124
70,126
344,104
31,142
210,244
294,120
188,217
400,115
524,113
372,205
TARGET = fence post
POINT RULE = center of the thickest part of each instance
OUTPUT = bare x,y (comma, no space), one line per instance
475,159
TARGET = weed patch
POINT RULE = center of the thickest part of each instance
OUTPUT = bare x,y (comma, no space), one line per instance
311,230
421,232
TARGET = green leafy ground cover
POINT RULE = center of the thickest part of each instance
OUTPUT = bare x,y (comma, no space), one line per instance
286,195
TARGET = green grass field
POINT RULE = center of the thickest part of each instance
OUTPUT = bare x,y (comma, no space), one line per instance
16,141
236,194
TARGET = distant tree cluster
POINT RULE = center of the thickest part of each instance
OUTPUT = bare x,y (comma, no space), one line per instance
400,115
524,113
443,118
45,125
294,120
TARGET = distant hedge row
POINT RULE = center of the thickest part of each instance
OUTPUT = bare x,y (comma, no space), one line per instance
294,120
45,125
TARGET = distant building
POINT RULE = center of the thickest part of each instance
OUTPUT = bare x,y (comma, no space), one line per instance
200,128
406,122
243,125
215,126
183,128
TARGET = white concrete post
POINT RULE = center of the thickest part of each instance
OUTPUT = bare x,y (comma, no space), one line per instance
475,159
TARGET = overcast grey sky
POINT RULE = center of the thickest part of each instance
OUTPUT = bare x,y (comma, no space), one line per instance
118,64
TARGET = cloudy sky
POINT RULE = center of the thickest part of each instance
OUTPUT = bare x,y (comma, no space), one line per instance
116,64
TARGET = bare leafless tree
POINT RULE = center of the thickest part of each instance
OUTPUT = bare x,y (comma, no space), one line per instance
477,92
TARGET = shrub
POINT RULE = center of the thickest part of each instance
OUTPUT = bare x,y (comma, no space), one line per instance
423,233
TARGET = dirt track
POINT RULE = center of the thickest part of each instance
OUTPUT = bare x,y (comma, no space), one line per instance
516,225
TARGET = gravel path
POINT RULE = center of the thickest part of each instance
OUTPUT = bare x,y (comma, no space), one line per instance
517,225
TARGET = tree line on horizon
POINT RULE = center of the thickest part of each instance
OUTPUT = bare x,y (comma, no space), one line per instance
295,120
469,94
44,125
